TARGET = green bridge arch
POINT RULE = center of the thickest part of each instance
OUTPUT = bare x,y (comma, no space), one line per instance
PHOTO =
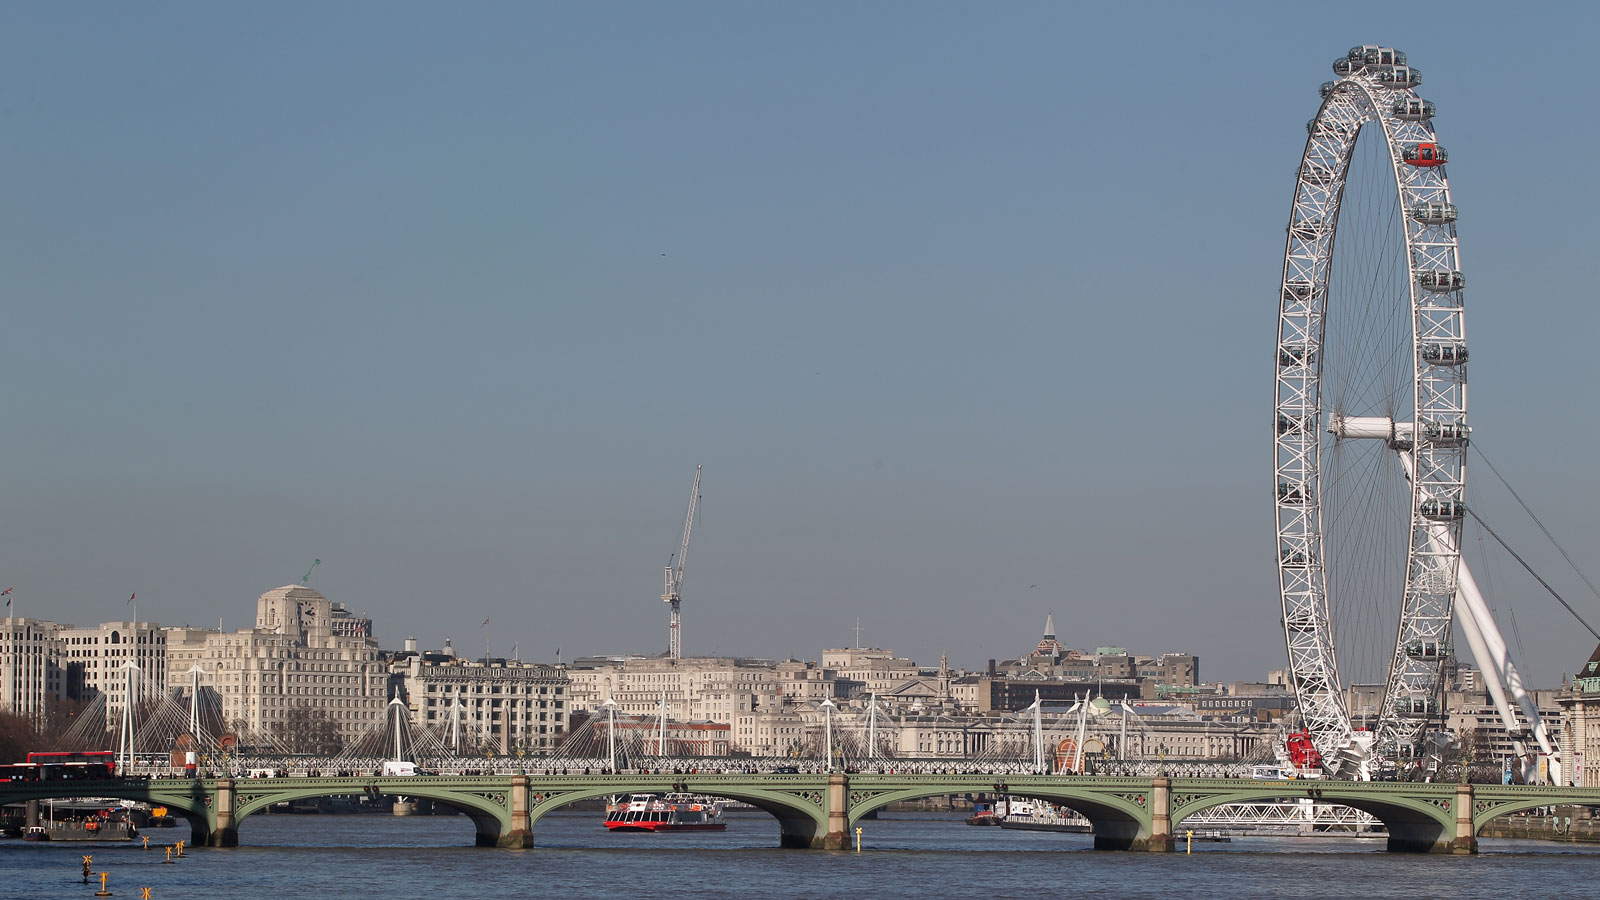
1121,809
1493,800
489,807
1418,817
799,803
187,798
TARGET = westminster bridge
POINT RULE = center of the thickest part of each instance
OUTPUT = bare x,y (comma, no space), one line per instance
819,810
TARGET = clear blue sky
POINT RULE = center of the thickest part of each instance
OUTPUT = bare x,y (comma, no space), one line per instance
949,300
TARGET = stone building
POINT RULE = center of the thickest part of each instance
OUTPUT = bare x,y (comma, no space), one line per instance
494,705
1471,716
648,738
753,698
1052,659
770,731
695,688
867,670
1580,732
1147,732
31,674
94,660
43,662
300,654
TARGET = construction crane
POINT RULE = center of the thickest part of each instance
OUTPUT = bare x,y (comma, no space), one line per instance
306,579
675,576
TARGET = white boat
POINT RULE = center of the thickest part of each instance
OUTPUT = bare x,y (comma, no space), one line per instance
665,812
1037,815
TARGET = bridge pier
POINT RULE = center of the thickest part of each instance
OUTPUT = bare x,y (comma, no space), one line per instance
837,837
1466,839
225,833
520,835
1160,839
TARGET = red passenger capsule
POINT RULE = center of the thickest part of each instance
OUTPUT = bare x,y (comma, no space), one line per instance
1424,155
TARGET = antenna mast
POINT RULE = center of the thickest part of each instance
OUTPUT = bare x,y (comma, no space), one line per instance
674,578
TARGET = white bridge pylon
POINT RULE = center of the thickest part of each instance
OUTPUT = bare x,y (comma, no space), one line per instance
1478,626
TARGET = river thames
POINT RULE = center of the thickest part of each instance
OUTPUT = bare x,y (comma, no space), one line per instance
905,854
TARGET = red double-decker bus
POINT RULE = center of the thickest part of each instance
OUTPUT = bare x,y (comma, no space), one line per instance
72,765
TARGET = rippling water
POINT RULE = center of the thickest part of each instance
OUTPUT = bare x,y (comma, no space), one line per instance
911,854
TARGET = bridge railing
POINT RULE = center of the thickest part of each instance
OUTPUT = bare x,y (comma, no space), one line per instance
300,766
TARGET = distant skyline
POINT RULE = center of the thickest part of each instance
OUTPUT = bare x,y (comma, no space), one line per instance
966,311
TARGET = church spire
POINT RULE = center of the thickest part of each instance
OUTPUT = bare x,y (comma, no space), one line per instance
1048,645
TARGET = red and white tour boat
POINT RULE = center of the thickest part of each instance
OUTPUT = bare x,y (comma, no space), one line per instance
665,812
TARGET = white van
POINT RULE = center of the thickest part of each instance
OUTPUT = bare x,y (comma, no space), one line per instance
395,767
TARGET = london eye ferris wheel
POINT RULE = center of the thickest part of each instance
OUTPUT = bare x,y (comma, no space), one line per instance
1370,426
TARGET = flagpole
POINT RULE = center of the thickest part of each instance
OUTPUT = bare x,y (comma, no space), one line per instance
8,692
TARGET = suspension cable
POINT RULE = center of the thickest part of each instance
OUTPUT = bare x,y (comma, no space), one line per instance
1501,541
1529,511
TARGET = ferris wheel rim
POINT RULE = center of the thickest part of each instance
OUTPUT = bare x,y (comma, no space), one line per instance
1355,102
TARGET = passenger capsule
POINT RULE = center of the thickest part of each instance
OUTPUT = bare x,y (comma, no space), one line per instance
1412,750
1290,424
1424,156
1368,55
1382,56
1434,213
1291,492
1312,128
1446,434
1317,173
1444,353
1327,88
1308,230
1291,355
1297,290
1427,649
1301,622
1416,706
1396,77
1376,55
1441,281
1412,109
1294,559
1442,509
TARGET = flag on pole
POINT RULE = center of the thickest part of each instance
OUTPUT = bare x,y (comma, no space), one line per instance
131,596
485,623
6,594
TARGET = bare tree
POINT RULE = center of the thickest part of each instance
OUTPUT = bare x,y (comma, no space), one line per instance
310,729
17,737
63,729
